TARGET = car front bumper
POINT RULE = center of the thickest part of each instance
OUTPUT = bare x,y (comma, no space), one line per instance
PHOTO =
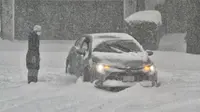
117,83
116,79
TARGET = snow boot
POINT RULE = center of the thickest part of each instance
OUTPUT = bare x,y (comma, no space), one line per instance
30,79
35,79
32,75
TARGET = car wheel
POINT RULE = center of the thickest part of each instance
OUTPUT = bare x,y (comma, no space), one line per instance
155,82
86,75
93,78
98,84
92,75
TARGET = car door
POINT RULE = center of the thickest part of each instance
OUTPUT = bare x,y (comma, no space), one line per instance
74,54
83,59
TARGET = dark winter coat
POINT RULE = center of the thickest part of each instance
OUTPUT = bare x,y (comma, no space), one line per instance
33,54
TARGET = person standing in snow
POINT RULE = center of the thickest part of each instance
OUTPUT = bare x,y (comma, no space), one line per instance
33,54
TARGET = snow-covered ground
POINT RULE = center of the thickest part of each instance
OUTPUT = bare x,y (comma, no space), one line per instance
173,42
55,92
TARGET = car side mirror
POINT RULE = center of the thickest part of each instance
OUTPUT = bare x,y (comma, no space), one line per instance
150,53
81,51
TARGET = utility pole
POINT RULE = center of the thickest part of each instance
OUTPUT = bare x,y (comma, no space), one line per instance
1,7
8,19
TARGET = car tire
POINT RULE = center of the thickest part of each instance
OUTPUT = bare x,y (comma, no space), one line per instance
86,75
92,74
98,84
93,78
155,81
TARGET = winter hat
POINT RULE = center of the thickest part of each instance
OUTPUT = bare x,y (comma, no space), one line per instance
37,28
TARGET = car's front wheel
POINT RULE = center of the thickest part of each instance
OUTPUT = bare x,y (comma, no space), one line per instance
154,82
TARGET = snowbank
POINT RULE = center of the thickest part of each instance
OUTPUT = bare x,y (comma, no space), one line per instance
147,15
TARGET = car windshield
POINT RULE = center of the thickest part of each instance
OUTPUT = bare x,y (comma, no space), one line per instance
117,46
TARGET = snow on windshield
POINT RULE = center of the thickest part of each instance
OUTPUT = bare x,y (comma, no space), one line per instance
103,37
148,15
117,46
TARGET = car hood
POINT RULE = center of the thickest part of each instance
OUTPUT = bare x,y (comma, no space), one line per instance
133,60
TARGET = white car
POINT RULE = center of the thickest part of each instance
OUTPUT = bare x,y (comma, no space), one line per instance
104,57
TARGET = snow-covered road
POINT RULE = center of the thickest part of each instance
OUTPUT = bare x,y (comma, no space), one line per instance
55,92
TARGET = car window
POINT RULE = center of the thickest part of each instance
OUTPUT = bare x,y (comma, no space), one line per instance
85,46
79,42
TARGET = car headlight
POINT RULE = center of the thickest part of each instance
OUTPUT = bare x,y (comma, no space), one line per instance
149,68
102,67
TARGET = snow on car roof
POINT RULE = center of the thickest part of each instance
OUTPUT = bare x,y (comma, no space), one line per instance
111,35
147,15
98,38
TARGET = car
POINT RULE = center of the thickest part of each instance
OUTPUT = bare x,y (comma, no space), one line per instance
110,60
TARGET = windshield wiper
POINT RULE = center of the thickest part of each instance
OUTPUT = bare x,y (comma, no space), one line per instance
124,49
116,49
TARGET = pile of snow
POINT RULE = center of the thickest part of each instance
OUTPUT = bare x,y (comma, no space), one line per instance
147,15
